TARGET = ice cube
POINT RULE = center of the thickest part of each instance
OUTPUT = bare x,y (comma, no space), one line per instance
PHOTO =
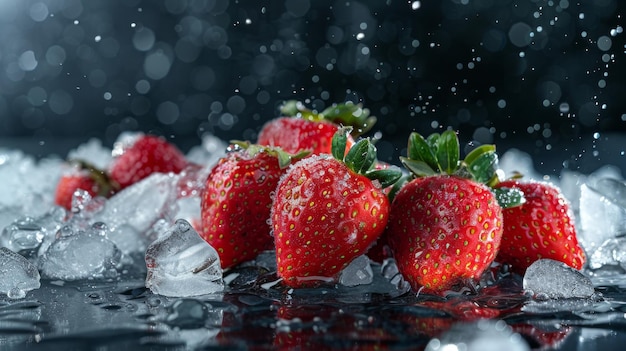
28,233
602,216
551,279
78,254
358,272
571,181
180,263
481,335
611,253
18,274
131,213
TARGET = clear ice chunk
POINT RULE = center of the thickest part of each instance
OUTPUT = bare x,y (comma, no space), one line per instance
481,335
602,216
18,274
612,253
180,263
358,272
78,254
131,213
28,233
552,279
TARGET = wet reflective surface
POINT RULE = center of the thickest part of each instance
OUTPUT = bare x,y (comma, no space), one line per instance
251,315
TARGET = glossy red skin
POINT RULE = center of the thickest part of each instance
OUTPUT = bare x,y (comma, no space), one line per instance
69,183
323,216
235,206
148,154
294,134
543,227
442,231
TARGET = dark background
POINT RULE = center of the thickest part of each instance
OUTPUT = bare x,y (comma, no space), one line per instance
543,76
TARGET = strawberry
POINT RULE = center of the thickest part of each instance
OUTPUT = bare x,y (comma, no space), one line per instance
137,158
327,211
308,130
445,225
235,204
82,176
542,227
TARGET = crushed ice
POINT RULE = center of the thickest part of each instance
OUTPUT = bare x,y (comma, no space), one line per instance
18,274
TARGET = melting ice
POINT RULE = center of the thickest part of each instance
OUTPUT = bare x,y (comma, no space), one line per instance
81,254
18,274
180,263
553,279
603,221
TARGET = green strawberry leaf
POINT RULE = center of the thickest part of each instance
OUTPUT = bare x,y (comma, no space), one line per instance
295,108
448,152
398,185
361,156
350,114
418,168
477,152
483,167
386,177
420,150
433,141
284,158
339,142
346,114
509,197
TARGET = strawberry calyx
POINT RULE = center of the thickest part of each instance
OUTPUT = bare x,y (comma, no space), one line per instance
105,185
345,114
284,158
440,154
361,158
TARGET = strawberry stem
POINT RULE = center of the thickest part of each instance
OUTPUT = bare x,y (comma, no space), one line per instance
106,185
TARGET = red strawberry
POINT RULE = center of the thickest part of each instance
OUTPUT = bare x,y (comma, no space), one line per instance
443,228
542,227
235,204
327,212
85,177
143,156
308,130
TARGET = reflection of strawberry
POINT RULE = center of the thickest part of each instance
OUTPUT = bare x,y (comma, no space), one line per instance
542,227
236,201
545,339
327,212
445,226
144,155
303,129
85,177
